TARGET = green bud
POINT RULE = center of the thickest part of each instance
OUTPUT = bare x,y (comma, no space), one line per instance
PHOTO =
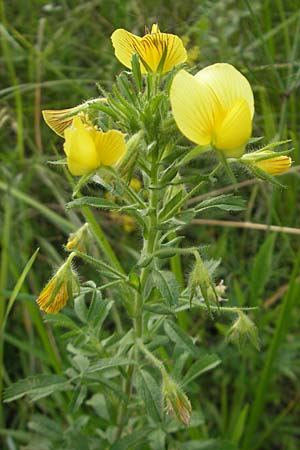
176,402
127,163
201,280
79,239
243,329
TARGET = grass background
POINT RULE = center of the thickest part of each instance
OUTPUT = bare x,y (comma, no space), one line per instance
53,54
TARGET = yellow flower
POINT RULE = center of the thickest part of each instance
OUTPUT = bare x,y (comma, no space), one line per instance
155,49
88,148
276,165
214,107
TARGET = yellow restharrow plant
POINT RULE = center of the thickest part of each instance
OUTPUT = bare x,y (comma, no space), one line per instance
88,148
214,107
158,52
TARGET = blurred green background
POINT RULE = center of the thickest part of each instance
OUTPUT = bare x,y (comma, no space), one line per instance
53,55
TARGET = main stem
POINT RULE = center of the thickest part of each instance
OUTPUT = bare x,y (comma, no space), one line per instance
149,245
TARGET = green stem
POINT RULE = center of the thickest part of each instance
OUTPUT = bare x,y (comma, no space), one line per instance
149,246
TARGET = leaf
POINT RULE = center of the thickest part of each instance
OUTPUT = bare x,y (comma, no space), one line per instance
165,282
178,336
132,440
206,363
239,426
170,205
160,309
36,387
94,202
108,363
77,399
18,286
80,308
151,393
99,403
102,312
210,444
261,269
223,202
61,320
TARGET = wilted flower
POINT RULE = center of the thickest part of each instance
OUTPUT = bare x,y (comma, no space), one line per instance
55,294
214,107
88,148
158,52
60,119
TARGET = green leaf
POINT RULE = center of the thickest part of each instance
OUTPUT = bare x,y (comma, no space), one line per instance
178,336
132,440
109,363
170,205
94,202
80,308
61,321
151,393
102,312
18,286
36,387
223,202
239,426
160,309
78,397
206,363
209,444
99,403
261,269
165,282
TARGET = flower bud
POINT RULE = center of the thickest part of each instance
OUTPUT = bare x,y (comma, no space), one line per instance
273,163
200,279
176,402
79,239
243,329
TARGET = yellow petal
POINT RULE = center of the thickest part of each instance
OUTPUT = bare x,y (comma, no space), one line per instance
228,84
124,44
53,305
56,120
155,28
235,130
80,148
276,165
110,146
194,107
150,48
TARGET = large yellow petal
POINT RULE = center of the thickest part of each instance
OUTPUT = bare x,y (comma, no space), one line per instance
235,130
125,45
195,108
110,146
228,84
150,48
80,149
